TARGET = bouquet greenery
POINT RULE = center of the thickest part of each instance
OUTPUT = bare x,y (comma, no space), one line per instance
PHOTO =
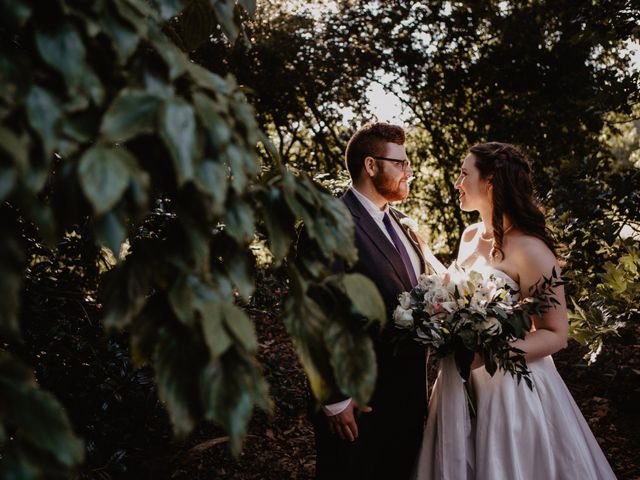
467,312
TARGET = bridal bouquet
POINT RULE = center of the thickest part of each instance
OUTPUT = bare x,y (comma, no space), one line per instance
471,313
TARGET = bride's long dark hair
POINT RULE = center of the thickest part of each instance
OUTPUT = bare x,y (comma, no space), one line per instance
509,172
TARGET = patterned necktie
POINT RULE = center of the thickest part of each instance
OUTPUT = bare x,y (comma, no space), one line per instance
401,250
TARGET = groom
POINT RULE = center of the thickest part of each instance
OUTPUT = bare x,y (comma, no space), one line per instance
381,440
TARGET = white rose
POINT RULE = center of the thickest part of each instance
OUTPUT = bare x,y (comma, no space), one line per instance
405,300
403,317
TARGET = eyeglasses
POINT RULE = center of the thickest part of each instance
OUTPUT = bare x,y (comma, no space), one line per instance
404,164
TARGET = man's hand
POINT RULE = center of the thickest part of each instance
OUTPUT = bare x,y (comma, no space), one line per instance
344,424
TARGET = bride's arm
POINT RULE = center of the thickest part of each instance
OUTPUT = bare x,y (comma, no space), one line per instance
533,260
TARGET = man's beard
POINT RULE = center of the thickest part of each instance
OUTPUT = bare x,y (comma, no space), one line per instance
391,190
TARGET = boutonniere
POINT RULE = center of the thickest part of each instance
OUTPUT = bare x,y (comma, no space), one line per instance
410,223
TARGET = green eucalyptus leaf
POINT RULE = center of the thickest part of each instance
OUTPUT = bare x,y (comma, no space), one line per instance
132,112
178,130
104,176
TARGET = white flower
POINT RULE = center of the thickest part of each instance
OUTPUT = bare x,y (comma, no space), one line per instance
410,223
405,300
403,317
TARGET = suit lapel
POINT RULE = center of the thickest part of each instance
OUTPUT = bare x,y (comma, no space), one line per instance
363,220
413,239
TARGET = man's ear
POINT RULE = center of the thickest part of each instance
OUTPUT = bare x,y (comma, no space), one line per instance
370,166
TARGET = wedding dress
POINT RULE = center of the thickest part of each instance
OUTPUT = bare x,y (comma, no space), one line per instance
517,434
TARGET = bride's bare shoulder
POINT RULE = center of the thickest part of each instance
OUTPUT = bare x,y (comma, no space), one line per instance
529,250
470,232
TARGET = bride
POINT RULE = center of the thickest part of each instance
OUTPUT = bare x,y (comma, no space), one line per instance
518,433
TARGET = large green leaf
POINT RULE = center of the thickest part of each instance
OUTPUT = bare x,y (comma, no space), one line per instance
125,37
279,222
353,360
181,299
365,297
239,266
240,326
212,180
37,415
125,290
178,130
218,128
110,232
176,363
131,113
44,116
239,220
63,50
215,333
104,176
230,387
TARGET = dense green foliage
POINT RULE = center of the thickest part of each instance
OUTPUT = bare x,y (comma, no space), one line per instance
102,117
133,194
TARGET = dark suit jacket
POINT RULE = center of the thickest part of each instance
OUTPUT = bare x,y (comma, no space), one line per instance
390,436
401,366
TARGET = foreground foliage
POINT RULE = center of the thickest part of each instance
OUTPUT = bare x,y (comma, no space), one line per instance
104,118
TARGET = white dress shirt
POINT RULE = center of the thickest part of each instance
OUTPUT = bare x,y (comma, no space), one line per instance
378,216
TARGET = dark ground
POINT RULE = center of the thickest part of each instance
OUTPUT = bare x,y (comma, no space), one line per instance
281,447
